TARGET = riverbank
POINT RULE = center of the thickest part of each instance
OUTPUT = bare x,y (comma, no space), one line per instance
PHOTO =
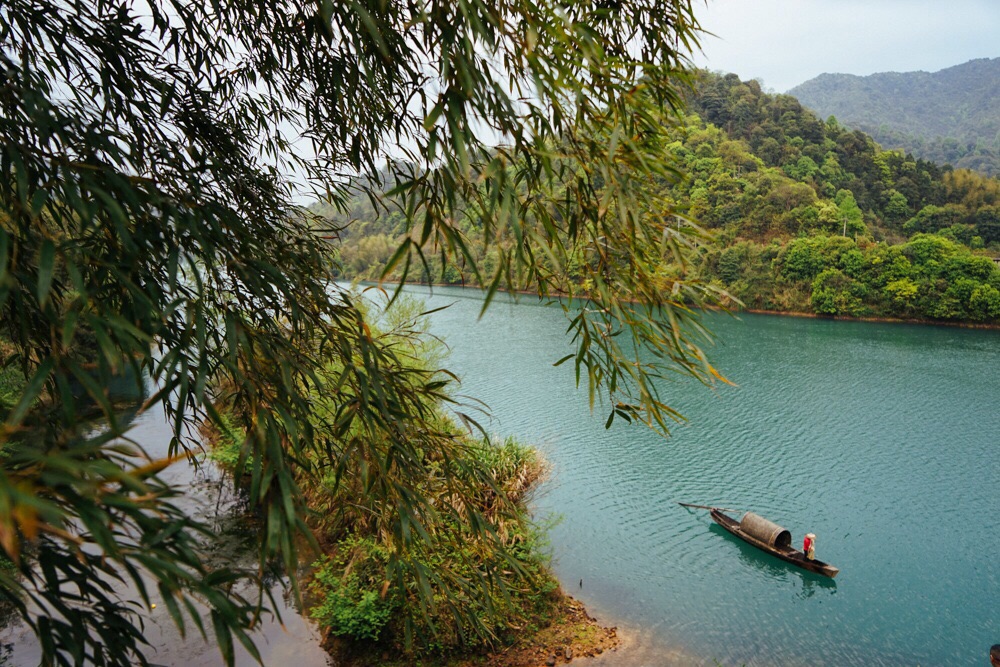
989,326
534,623
571,636
293,638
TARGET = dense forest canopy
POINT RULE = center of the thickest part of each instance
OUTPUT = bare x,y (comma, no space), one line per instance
949,117
807,215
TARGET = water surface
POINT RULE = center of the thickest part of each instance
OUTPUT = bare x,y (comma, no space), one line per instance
291,640
879,438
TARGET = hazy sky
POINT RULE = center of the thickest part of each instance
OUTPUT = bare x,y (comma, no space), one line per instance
787,42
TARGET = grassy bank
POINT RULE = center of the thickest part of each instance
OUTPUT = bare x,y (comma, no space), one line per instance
428,552
570,633
367,618
736,307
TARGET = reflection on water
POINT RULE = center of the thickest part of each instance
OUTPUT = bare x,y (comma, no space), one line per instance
773,568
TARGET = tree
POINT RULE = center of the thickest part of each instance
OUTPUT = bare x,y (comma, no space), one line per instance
902,292
833,293
803,169
988,223
148,227
850,213
897,209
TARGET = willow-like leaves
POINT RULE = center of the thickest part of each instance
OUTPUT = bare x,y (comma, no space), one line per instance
152,157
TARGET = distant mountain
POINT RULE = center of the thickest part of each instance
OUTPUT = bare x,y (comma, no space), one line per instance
950,117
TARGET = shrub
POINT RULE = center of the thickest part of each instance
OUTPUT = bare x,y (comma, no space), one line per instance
836,294
226,445
349,587
984,303
11,386
902,292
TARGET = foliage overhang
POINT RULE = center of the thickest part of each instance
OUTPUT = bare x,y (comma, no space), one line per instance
148,227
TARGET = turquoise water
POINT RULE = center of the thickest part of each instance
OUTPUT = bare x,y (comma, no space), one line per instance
879,438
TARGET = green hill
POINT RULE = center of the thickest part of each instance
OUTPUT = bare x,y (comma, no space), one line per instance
803,215
950,117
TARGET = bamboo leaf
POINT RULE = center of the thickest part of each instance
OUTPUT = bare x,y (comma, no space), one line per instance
46,269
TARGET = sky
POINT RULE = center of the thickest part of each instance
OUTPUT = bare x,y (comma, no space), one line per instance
787,42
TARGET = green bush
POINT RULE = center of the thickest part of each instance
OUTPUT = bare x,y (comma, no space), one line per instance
349,589
985,302
11,378
837,294
11,384
368,590
227,445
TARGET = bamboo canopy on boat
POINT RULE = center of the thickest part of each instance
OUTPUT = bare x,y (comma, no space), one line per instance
766,531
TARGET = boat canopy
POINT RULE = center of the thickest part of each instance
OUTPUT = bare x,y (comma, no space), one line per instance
766,531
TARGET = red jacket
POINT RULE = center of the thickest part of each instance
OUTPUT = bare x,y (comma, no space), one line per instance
806,543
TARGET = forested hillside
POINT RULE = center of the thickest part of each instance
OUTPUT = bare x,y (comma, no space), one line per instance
801,214
950,117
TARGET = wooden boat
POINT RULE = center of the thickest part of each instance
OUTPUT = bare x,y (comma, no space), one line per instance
772,538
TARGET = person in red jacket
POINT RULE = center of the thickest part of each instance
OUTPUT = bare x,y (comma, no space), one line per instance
809,546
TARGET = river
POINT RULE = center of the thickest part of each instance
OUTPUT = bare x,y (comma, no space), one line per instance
879,438
291,640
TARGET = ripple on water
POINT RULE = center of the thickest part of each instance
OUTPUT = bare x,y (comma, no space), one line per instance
880,439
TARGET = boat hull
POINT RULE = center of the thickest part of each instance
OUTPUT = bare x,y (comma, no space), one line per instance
789,555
